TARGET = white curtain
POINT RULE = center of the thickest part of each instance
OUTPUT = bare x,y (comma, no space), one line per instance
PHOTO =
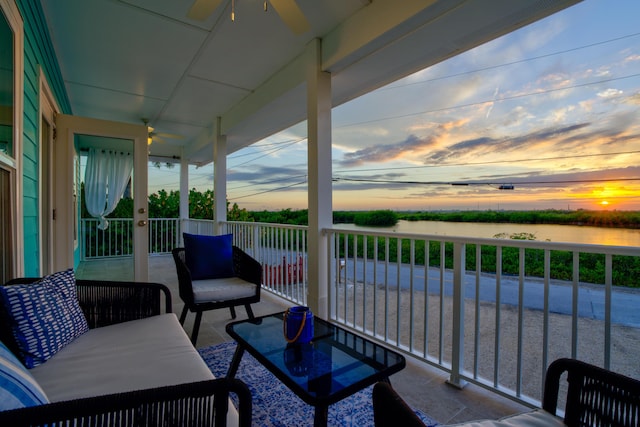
105,179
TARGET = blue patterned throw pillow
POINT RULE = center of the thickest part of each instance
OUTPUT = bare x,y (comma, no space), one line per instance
45,316
18,389
208,257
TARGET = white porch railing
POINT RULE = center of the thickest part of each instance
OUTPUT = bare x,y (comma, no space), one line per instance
432,297
282,252
417,293
444,312
117,239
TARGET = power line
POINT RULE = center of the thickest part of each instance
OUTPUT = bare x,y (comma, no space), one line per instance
259,145
475,103
471,104
502,186
464,106
269,182
491,162
336,179
267,191
471,183
270,152
506,64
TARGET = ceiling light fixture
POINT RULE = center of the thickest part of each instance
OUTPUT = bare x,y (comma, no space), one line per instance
149,130
288,10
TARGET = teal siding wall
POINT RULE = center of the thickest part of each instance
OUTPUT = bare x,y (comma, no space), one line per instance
38,55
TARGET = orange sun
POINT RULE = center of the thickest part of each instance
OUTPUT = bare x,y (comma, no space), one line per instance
604,203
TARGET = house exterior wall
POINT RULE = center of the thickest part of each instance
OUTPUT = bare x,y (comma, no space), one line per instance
39,56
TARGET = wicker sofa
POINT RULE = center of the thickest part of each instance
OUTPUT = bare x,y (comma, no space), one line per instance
592,396
134,366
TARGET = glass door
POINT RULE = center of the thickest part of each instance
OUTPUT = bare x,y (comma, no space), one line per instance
97,245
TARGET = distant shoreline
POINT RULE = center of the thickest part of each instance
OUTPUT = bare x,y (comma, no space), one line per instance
611,219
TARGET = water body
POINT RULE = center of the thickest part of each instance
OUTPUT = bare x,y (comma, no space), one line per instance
542,232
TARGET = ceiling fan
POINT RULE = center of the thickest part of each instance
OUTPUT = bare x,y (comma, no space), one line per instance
158,136
288,10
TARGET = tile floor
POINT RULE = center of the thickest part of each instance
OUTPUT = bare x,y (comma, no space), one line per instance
422,386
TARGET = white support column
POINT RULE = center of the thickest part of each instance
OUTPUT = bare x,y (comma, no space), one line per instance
184,195
219,178
319,179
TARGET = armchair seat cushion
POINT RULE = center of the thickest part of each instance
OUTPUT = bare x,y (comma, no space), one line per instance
227,289
135,355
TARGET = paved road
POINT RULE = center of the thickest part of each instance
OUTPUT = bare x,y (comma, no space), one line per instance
591,298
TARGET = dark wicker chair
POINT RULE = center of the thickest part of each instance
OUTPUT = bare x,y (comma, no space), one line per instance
193,404
595,397
245,268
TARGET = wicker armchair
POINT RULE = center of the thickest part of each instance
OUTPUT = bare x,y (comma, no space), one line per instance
595,397
245,267
193,404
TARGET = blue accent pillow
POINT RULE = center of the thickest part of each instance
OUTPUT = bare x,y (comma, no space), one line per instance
209,257
44,316
18,389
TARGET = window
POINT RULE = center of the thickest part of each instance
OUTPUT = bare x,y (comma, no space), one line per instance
6,244
11,69
6,87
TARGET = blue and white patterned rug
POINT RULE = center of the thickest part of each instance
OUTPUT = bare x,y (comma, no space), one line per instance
274,405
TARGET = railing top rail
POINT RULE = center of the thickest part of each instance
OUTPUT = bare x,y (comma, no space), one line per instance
527,244
267,224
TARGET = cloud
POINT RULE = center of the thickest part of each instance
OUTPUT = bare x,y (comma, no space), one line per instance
632,58
633,99
387,152
484,146
260,174
609,93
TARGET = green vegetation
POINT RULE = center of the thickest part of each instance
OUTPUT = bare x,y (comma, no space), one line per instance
624,219
592,266
165,204
384,218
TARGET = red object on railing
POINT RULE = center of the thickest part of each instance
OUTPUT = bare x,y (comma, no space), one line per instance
283,274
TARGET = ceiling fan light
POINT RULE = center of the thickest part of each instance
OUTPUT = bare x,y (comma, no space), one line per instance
149,140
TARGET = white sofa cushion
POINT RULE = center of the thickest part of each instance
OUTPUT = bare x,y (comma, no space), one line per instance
222,289
146,353
536,418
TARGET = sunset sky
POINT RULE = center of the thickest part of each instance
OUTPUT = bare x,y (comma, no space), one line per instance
552,110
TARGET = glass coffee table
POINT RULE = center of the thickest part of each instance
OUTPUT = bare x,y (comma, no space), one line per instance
336,364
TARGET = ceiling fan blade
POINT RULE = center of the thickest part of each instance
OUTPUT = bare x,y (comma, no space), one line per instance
292,15
169,135
202,9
